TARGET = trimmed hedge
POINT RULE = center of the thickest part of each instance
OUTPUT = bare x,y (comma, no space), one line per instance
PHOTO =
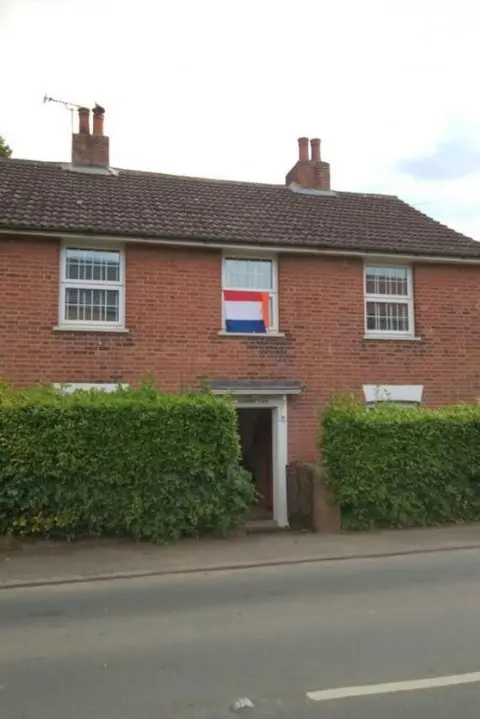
396,467
133,463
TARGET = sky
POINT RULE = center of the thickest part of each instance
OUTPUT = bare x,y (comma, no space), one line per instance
221,89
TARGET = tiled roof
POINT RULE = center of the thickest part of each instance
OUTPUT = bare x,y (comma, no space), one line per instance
48,197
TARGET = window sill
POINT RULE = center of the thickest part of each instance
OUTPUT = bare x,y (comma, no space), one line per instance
398,338
257,335
90,328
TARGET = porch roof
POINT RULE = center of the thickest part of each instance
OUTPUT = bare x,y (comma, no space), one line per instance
256,386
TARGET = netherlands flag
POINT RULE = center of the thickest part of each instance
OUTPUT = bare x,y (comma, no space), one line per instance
246,311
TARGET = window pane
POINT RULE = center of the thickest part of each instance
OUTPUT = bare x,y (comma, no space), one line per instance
387,317
248,274
386,280
92,265
92,305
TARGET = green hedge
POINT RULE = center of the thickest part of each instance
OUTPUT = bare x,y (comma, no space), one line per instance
131,463
391,466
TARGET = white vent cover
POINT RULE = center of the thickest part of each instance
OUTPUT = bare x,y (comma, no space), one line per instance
70,387
393,393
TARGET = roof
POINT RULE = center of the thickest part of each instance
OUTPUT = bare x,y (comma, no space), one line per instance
45,196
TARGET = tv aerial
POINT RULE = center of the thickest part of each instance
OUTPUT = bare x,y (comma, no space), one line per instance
71,106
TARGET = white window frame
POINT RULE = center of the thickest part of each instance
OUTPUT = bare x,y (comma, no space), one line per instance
392,299
66,283
273,293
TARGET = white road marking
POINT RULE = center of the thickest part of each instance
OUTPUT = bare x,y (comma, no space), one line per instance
435,682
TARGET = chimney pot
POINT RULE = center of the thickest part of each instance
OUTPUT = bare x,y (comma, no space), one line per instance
98,118
315,146
303,149
84,120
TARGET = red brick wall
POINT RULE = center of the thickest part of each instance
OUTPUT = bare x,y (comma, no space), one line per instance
173,312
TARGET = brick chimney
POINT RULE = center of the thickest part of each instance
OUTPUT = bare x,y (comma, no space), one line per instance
90,149
309,172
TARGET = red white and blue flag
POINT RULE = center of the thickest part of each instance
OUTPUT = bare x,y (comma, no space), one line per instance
246,311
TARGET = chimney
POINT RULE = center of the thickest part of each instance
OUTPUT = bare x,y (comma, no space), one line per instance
90,149
309,172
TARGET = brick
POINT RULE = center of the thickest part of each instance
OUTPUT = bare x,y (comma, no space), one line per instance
173,312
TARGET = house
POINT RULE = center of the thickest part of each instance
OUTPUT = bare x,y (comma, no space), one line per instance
279,294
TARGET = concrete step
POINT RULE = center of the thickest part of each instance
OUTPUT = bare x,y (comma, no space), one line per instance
262,525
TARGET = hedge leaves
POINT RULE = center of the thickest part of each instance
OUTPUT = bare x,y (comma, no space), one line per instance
132,463
390,466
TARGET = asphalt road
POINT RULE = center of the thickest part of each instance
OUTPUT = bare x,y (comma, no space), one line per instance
188,646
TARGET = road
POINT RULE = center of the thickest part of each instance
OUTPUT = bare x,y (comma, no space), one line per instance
187,646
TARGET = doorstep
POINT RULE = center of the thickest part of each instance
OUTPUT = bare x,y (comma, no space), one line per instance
263,525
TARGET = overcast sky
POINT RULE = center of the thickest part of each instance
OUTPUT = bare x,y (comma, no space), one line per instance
224,89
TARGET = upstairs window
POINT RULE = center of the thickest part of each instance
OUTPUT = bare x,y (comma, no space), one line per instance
92,288
388,301
250,297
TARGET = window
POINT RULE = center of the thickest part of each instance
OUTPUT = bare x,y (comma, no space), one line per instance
388,301
92,283
250,297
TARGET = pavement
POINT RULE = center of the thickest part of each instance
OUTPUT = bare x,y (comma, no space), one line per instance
30,563
358,638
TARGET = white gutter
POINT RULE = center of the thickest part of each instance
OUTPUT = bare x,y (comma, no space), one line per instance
271,249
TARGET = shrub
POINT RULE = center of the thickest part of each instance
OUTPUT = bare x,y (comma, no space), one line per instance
391,467
132,463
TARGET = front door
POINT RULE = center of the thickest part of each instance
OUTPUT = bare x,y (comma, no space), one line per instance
256,438
263,434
